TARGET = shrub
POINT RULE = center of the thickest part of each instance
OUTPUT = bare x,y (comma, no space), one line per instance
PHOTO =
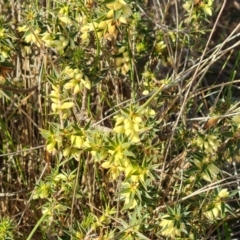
136,141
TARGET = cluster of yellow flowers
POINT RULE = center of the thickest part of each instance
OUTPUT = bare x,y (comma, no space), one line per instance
133,187
236,120
70,140
108,26
60,102
215,211
2,33
61,183
31,35
123,63
210,144
118,162
193,7
170,229
50,40
63,15
76,80
4,49
77,141
130,125
207,168
160,46
58,41
95,142
34,36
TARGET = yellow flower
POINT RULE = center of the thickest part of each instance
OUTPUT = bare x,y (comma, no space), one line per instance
68,70
114,170
145,92
66,20
55,95
78,80
77,89
116,5
119,129
120,4
128,168
160,46
211,169
119,120
106,164
117,154
77,141
33,37
47,38
123,20
85,28
66,152
150,112
127,201
84,36
60,177
135,137
2,32
60,44
223,193
86,82
4,54
70,84
51,146
64,10
66,105
168,228
187,6
93,26
212,214
209,145
102,25
110,14
130,126
44,190
24,28
118,61
236,120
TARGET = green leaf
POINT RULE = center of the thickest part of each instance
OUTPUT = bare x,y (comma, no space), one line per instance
45,133
6,64
233,193
228,134
222,207
129,153
138,194
141,236
117,14
170,211
126,190
197,155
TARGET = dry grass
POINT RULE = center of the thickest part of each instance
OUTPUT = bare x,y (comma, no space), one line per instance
23,159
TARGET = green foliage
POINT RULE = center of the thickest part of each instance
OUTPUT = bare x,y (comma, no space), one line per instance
7,227
139,173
